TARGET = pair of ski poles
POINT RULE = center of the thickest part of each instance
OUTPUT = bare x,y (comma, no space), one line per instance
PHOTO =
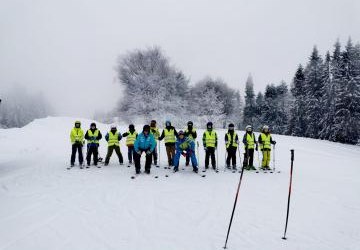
288,202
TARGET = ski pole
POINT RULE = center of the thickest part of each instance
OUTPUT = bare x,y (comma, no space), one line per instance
217,159
258,154
226,153
288,204
198,153
236,198
159,153
273,157
239,153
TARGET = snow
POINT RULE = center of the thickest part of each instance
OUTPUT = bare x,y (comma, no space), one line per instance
45,206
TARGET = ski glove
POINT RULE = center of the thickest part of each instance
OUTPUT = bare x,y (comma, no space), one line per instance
148,152
274,142
138,152
205,148
256,148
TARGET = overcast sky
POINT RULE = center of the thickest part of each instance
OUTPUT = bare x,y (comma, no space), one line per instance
68,49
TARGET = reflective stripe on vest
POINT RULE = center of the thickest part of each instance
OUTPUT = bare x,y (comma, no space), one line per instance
190,135
94,135
250,140
113,139
234,144
130,139
265,141
210,139
169,136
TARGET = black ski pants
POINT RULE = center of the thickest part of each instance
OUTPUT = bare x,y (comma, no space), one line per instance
137,158
210,152
76,147
92,150
249,157
231,155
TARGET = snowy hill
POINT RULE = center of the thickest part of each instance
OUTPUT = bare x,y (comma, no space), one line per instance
45,206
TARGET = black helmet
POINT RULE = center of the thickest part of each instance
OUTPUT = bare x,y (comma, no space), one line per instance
93,124
181,133
131,127
190,123
167,123
146,128
231,125
209,125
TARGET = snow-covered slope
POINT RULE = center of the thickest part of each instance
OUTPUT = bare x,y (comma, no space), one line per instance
45,206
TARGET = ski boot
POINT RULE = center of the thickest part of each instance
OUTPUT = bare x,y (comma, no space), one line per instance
195,169
228,167
234,167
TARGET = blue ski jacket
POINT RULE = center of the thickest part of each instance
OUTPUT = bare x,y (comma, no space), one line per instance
143,142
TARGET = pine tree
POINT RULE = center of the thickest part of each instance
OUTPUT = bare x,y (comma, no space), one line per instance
328,101
297,121
259,103
249,109
314,87
346,127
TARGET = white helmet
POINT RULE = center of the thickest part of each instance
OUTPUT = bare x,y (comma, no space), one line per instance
265,127
248,128
113,126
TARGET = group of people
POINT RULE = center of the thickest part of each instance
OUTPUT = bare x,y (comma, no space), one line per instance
177,144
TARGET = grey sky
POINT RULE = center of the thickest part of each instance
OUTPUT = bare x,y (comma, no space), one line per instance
68,49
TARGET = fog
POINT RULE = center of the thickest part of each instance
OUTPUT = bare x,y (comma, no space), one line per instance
68,49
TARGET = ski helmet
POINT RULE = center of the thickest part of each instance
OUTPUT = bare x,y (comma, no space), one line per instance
146,128
231,126
248,128
209,125
93,124
265,127
167,123
77,124
181,133
131,127
113,127
190,123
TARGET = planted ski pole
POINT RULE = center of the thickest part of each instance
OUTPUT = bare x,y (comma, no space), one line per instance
274,157
288,204
233,211
197,148
159,163
239,153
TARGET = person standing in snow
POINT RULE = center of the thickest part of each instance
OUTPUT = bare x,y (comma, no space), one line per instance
185,146
210,144
232,142
250,144
145,142
113,138
155,131
265,141
191,133
77,141
170,134
93,136
131,136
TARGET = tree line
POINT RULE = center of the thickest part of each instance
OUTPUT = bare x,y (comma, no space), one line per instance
323,100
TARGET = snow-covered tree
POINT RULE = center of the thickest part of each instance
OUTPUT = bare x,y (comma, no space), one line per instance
249,109
153,88
19,107
314,86
347,101
297,121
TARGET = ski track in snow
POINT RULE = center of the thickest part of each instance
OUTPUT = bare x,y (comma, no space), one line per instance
46,206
